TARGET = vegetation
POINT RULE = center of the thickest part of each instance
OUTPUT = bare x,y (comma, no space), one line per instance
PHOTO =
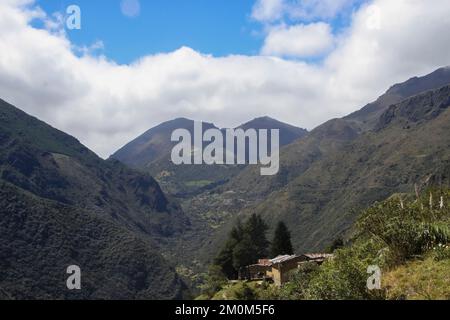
407,238
419,279
60,205
245,245
281,243
342,167
326,177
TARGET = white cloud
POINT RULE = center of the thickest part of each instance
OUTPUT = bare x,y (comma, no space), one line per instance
268,10
105,104
317,9
272,10
298,40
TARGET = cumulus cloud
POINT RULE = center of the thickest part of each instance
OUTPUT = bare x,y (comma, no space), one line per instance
105,104
299,40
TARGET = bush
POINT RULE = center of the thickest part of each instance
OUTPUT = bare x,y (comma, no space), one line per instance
213,281
345,276
297,288
406,229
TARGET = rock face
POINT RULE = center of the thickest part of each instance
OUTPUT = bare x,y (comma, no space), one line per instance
62,205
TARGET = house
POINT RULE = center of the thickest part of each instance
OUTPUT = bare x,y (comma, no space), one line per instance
280,268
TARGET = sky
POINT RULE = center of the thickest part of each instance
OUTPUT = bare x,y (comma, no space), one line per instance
218,27
134,64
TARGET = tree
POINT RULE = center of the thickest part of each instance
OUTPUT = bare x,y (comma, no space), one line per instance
281,243
256,229
225,260
244,253
225,257
245,245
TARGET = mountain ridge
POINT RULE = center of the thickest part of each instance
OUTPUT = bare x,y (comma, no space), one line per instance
151,152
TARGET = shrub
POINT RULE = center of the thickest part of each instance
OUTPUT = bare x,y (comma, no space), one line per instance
407,229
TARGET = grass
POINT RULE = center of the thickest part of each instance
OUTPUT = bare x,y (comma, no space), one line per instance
242,290
419,280
198,183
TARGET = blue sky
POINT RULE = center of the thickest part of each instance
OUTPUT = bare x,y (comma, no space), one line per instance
217,27
332,58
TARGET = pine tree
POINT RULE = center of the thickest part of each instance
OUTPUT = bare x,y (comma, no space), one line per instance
281,243
256,229
245,245
225,257
244,253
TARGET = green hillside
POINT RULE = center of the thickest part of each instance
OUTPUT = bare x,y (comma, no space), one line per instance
406,237
62,205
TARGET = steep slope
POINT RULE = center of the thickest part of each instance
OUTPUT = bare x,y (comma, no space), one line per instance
340,166
368,116
41,238
411,141
49,181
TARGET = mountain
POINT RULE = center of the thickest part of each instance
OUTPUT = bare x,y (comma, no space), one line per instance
368,116
288,133
339,167
63,205
388,146
151,152
154,144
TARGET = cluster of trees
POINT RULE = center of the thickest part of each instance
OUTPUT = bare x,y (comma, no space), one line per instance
247,242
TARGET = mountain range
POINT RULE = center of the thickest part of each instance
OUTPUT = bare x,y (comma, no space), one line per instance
326,175
135,236
151,152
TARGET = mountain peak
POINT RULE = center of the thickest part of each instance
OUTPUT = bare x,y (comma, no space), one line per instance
368,116
416,85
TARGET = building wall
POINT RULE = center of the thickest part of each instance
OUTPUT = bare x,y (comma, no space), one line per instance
281,271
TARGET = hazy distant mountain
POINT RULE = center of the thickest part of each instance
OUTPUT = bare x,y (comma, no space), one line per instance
60,205
288,133
155,144
151,152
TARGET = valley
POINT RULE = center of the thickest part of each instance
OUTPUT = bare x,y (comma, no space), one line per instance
326,176
147,228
